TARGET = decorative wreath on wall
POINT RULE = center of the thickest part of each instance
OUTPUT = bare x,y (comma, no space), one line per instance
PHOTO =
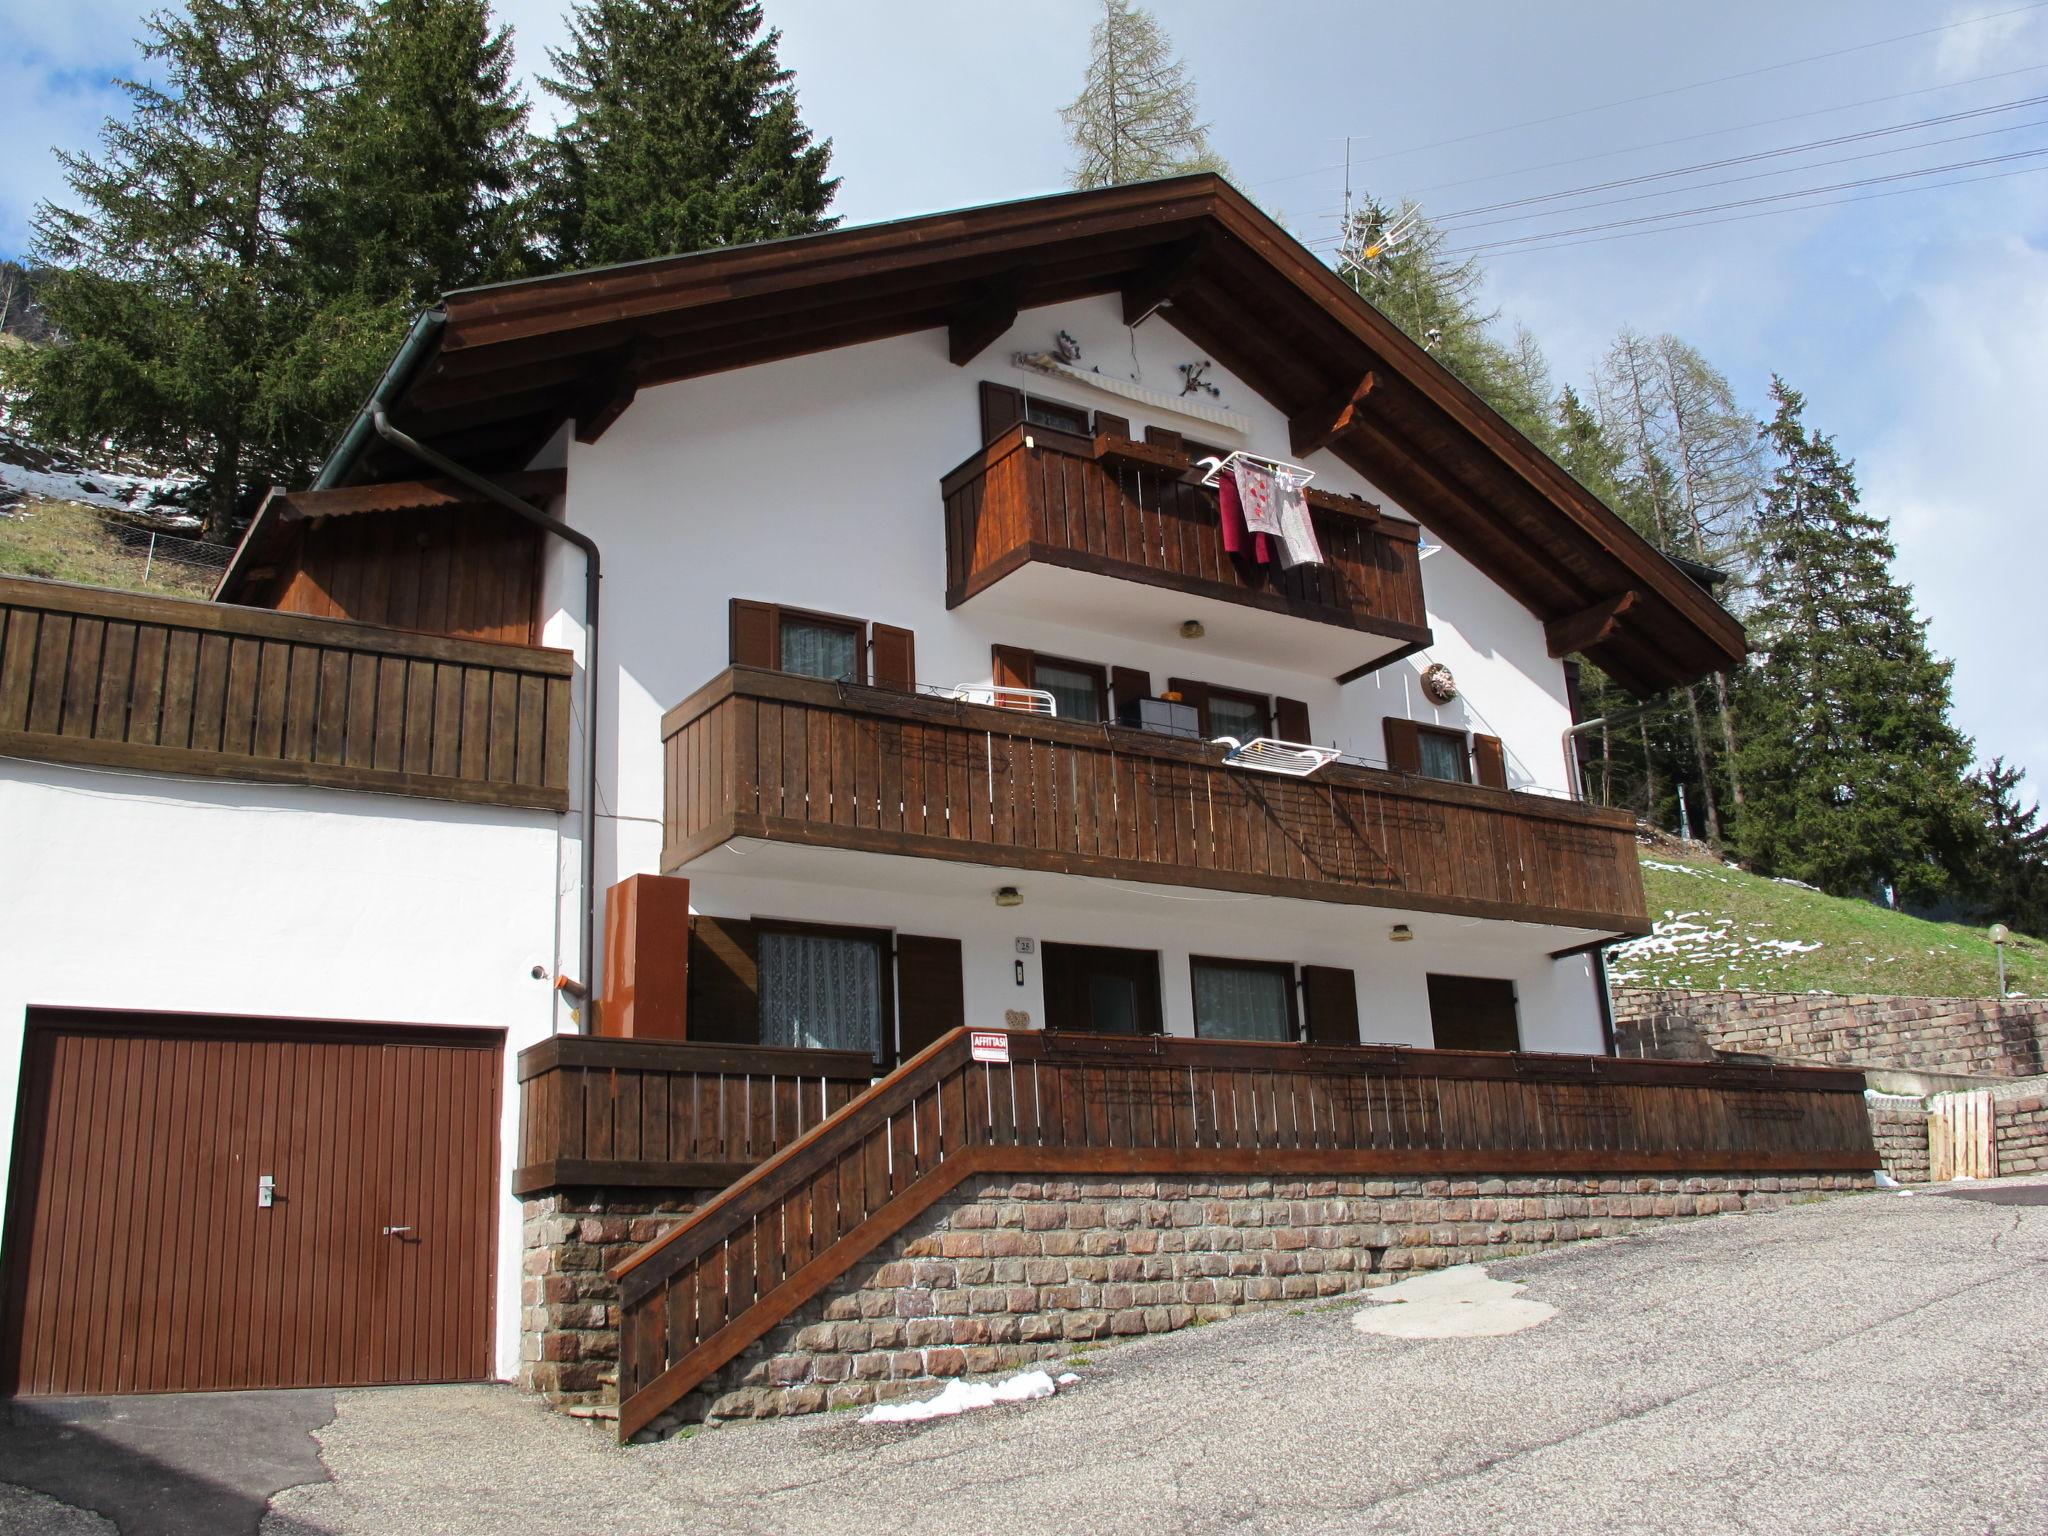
1438,684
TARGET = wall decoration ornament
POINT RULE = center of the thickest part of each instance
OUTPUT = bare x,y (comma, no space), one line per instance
1192,379
1437,683
1068,348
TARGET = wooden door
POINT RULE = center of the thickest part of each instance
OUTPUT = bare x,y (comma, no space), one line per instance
1962,1140
1473,1013
1100,990
142,1254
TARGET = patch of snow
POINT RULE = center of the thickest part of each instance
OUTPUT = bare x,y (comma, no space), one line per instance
1680,869
34,471
963,1397
1067,1379
1801,884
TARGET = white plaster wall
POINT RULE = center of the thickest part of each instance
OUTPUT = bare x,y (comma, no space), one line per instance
126,891
814,483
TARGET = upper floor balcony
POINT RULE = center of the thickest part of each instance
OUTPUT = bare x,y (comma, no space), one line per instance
1108,534
795,760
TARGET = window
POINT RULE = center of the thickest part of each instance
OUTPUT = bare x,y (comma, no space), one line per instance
825,988
1243,999
1242,715
1054,415
1443,755
821,648
1077,689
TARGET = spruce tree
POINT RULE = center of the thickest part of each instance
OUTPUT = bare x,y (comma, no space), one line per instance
2013,887
1136,118
177,289
418,163
682,133
1856,779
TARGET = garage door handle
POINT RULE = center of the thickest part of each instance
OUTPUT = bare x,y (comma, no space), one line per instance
395,1231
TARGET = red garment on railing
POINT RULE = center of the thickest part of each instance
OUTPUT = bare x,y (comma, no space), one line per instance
1236,537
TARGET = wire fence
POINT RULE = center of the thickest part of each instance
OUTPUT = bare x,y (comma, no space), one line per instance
69,542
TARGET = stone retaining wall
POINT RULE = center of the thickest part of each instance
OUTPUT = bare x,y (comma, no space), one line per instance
1972,1036
1007,1271
1899,1128
2019,1119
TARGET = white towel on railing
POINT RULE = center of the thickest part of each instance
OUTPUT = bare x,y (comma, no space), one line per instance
1298,544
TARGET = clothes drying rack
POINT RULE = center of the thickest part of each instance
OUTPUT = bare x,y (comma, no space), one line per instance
1297,475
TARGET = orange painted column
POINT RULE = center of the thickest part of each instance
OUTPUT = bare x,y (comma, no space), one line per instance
647,959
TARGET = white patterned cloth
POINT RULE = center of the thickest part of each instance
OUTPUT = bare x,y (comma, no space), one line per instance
1298,544
1258,497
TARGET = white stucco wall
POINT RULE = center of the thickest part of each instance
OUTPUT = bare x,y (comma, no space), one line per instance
814,483
126,891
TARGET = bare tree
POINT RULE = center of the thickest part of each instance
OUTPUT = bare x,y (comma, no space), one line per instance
1136,117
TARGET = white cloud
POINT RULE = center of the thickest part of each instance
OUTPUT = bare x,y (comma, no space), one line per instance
1959,471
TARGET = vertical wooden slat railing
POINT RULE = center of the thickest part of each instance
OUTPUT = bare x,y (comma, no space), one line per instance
695,1299
785,758
168,685
669,1114
1127,509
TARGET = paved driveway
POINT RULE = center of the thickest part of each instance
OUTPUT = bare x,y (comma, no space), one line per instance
1866,1364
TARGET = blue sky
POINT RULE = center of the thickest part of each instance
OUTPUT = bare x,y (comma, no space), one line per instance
1915,323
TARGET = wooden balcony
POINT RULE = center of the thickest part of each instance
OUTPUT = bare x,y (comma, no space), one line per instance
672,1114
789,759
1037,506
166,685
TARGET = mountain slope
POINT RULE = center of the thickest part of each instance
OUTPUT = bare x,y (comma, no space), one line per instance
1720,927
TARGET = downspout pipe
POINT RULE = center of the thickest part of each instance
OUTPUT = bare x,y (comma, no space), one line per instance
592,574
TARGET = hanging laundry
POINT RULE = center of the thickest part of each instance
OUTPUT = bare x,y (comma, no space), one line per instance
1257,496
1298,544
1237,540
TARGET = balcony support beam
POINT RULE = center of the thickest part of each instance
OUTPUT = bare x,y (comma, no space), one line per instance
1589,626
609,390
1328,420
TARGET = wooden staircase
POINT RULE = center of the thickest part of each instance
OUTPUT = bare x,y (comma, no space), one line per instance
690,1302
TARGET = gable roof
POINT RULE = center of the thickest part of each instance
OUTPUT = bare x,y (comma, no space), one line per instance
509,364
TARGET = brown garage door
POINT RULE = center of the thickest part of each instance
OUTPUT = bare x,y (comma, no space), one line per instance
143,1254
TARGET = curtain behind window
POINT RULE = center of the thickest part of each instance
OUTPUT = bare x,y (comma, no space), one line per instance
1073,692
821,992
1241,1003
1443,757
1236,717
820,650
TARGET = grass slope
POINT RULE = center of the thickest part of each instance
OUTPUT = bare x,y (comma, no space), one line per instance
66,541
1719,927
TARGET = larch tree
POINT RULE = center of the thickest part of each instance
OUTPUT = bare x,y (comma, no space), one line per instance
176,289
1855,777
1136,118
682,133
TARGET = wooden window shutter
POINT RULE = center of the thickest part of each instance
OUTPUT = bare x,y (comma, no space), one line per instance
1404,746
1107,425
1329,995
1012,666
895,652
1290,720
1001,409
1163,437
1489,762
754,634
725,981
1126,684
931,995
1194,694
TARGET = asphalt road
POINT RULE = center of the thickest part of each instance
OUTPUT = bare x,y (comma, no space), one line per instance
1871,1363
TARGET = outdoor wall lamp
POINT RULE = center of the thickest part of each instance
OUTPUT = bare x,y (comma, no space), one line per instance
1009,896
1400,933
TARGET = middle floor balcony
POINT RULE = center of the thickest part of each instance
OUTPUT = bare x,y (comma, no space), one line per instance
758,755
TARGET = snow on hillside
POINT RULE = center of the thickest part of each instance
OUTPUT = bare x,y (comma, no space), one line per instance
29,470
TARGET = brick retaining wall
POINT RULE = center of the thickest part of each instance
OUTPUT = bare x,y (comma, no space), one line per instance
1008,1271
1972,1036
2019,1117
1899,1128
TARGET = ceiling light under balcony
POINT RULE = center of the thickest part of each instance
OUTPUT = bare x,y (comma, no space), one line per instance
1192,629
1400,933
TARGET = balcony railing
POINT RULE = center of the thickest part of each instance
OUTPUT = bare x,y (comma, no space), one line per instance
1126,509
766,755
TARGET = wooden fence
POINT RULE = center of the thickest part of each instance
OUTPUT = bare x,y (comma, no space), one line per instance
163,685
690,1302
674,1114
793,759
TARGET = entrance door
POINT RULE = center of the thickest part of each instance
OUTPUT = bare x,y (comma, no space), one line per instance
1101,991
1473,1013
205,1204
